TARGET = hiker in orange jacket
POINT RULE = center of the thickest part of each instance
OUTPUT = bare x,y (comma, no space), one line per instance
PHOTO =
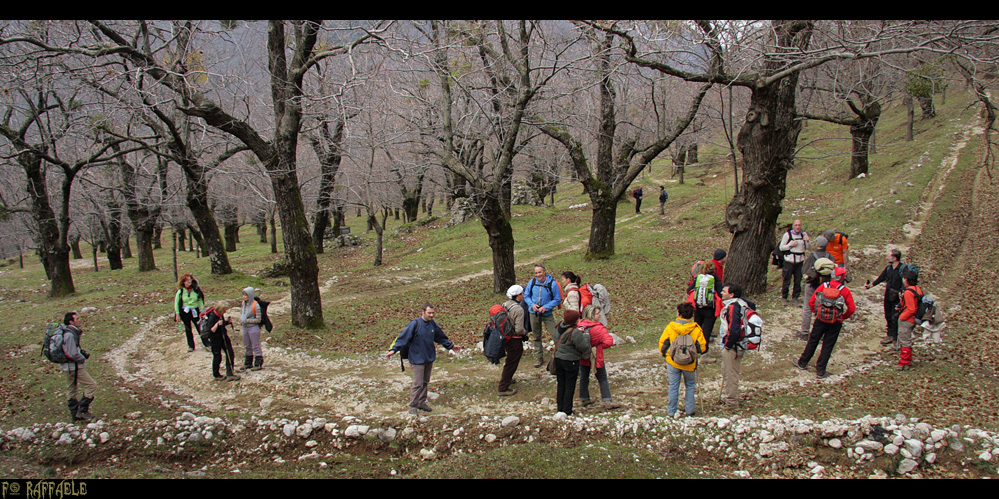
907,317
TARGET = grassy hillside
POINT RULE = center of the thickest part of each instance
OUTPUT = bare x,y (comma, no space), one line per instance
366,306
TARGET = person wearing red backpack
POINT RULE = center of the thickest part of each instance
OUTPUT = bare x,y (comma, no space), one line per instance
515,345
912,294
732,331
706,312
828,321
572,297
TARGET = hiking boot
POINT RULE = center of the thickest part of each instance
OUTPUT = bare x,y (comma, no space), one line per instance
585,402
232,377
424,407
258,364
822,375
247,363
83,411
219,377
797,363
73,405
189,350
539,363
803,335
413,411
887,340
508,392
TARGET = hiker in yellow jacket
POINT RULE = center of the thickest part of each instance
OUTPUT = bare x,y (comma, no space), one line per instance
683,325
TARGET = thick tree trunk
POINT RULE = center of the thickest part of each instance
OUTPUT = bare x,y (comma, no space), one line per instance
144,237
767,141
113,236
910,117
501,242
75,246
603,225
158,237
231,231
208,236
300,253
860,153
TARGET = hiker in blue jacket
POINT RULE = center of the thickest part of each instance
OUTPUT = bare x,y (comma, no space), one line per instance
419,337
542,295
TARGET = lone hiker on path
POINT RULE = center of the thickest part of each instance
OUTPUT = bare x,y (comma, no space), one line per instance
78,381
663,196
638,199
419,338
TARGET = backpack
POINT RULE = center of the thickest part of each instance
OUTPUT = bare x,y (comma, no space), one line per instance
203,328
585,296
696,269
663,196
683,351
52,344
830,304
777,256
910,267
751,334
498,331
704,290
601,297
264,319
923,305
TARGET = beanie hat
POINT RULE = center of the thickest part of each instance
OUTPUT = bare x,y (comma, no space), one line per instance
514,290
570,317
821,242
824,266
719,254
829,234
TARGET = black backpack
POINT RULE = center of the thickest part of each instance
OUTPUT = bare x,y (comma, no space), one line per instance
498,330
264,319
922,306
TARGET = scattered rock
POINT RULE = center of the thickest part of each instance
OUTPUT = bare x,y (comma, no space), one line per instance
907,465
511,421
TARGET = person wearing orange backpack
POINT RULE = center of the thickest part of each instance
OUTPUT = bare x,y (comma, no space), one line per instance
572,297
912,294
832,303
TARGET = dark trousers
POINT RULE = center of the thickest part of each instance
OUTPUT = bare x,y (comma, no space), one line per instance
791,271
190,321
827,334
705,317
638,205
566,373
222,344
891,317
514,351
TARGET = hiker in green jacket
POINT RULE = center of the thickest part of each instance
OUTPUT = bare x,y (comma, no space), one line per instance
187,305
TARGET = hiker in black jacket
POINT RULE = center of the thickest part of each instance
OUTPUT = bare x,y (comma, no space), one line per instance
892,277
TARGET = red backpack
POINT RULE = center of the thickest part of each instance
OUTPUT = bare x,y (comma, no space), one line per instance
830,304
585,296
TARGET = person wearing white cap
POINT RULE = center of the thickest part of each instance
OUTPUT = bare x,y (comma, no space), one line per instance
515,345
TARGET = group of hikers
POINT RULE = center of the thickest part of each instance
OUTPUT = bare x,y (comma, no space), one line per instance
581,336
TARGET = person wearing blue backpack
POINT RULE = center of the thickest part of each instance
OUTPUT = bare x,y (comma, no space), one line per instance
542,295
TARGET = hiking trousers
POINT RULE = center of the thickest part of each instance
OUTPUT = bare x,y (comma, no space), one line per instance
78,381
251,340
905,334
806,311
705,317
791,271
514,351
731,369
891,317
584,383
825,333
536,333
190,320
566,373
421,383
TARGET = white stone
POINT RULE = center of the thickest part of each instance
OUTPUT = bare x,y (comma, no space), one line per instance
311,443
915,447
898,440
723,422
985,456
65,439
387,435
23,433
870,445
319,422
891,449
907,465
427,454
511,421
938,435
104,436
836,443
490,438
195,437
560,416
363,429
931,457
304,430
352,432
289,429
266,402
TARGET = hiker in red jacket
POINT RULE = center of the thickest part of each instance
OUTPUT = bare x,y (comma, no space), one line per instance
831,309
907,317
